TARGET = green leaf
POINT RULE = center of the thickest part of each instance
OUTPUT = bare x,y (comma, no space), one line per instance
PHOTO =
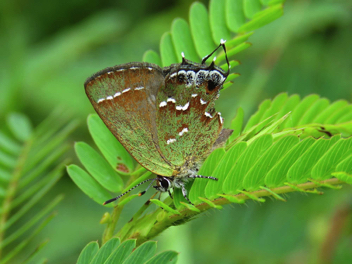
88,253
142,253
167,50
122,252
169,257
255,176
329,111
234,179
200,29
164,206
217,9
225,165
251,7
152,57
109,146
301,169
207,169
98,167
182,39
257,117
88,185
105,251
20,126
328,162
237,124
277,174
234,14
344,170
262,18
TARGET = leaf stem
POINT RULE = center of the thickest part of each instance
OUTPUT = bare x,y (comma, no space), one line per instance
12,188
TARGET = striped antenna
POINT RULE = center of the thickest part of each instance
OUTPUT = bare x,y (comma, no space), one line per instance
202,177
140,194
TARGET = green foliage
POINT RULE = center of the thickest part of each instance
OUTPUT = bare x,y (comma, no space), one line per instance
126,253
225,20
30,165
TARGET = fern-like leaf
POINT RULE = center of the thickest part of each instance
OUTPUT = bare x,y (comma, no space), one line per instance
127,253
30,165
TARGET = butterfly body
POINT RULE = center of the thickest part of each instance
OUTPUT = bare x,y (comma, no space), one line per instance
164,117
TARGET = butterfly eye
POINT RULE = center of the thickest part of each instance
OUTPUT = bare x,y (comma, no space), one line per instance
165,183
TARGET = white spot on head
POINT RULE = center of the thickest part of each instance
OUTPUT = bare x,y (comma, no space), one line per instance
183,131
222,41
117,94
214,59
208,115
162,104
191,75
216,77
171,100
173,75
126,90
101,100
201,76
171,140
194,95
182,54
202,102
109,97
139,88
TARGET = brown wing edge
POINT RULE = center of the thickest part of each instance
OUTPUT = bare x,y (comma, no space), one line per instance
222,138
122,66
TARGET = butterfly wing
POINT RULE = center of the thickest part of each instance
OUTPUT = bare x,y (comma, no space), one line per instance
124,97
188,124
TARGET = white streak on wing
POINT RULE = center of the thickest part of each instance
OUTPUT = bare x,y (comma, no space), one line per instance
173,75
117,94
110,72
183,131
101,100
139,88
171,100
120,70
221,119
185,106
126,90
162,104
134,68
171,140
109,97
208,115
150,68
194,95
202,102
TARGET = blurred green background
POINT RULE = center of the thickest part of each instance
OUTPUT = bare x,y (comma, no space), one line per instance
49,48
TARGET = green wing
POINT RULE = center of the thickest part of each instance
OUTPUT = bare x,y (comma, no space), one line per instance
125,98
187,122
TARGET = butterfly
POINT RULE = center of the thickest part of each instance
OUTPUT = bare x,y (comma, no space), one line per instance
164,117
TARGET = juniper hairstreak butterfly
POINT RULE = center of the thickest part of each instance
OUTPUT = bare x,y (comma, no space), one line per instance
164,117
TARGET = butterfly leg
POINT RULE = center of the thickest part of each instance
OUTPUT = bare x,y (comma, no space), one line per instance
184,193
170,194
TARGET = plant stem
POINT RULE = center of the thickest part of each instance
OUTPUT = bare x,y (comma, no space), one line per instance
152,224
12,188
